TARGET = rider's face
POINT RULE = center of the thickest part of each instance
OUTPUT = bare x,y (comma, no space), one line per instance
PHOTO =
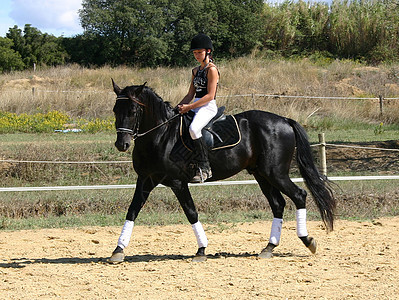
199,54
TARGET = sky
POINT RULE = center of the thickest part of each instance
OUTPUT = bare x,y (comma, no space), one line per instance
56,17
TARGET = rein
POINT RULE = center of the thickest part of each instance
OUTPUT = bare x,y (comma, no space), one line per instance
137,134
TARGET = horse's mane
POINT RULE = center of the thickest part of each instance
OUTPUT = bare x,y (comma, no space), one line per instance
154,103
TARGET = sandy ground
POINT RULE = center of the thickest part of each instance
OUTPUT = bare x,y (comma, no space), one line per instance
358,260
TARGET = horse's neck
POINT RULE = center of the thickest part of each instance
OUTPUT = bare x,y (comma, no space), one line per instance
160,113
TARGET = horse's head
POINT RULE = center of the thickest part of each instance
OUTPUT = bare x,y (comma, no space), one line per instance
128,110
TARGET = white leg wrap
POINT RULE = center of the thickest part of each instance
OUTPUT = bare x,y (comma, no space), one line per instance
301,229
275,234
200,234
124,238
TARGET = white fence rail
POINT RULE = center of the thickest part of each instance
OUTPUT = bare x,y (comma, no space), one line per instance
216,183
323,166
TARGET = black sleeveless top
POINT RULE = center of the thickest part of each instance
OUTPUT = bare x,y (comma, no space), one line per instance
200,82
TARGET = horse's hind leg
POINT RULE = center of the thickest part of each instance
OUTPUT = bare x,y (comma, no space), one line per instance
298,196
186,201
277,204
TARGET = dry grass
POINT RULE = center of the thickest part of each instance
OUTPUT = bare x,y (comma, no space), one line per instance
83,92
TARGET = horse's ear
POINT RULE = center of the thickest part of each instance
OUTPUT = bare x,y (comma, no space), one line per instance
117,89
139,90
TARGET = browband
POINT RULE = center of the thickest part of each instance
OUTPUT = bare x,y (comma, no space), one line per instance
123,97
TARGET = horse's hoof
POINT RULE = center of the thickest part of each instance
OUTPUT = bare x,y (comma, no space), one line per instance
267,252
199,258
117,257
313,245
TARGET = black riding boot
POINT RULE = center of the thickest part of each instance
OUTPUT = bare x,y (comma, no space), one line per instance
203,169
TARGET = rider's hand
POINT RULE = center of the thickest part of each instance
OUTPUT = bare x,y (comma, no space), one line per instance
183,108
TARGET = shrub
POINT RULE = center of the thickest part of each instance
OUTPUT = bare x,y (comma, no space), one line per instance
39,122
49,122
98,125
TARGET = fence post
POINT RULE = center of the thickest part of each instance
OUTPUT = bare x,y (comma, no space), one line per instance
381,104
322,152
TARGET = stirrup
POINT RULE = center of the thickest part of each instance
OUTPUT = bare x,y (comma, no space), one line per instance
201,176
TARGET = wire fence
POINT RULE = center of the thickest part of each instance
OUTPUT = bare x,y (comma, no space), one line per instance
307,97
218,183
129,161
381,100
34,90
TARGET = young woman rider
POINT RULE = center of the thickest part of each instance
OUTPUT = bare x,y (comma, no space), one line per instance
204,82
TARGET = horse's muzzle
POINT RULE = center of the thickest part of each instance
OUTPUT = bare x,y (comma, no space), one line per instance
123,142
122,147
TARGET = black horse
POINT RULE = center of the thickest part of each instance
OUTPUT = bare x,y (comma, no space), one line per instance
266,149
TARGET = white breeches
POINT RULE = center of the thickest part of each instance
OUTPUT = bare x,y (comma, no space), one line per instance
202,117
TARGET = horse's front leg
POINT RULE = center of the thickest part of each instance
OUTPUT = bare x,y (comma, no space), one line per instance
143,189
186,201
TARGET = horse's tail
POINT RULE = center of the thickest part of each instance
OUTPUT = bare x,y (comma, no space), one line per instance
317,183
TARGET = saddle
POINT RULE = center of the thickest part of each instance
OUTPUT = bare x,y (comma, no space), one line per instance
221,132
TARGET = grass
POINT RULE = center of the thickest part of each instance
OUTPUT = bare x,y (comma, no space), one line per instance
356,200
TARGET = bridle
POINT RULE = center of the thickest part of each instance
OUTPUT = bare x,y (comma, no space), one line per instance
135,132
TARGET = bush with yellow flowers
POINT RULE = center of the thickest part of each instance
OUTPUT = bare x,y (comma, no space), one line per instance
39,122
97,125
49,122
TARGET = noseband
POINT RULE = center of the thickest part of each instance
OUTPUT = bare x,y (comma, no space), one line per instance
124,130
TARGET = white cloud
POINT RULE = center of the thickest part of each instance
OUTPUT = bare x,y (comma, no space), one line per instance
47,15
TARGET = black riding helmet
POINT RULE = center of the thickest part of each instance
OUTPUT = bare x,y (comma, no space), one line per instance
201,41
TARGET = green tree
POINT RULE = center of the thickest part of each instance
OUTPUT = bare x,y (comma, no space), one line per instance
9,59
239,26
186,19
158,32
86,50
134,30
15,34
36,47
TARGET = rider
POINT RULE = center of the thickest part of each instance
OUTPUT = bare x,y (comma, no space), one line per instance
204,81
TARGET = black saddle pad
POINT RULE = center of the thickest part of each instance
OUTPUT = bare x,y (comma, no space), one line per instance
222,132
